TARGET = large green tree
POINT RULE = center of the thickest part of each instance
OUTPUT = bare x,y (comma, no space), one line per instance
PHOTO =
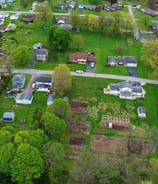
26,165
54,155
61,108
7,152
21,56
5,137
150,55
45,13
62,79
54,127
59,38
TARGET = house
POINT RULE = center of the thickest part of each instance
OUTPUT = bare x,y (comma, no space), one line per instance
126,90
81,58
141,112
41,54
130,61
8,116
28,17
24,98
50,99
3,29
154,26
43,83
18,81
4,14
150,12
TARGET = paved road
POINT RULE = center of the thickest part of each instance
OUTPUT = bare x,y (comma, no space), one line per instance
85,74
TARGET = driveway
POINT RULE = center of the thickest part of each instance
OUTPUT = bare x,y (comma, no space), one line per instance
132,71
89,69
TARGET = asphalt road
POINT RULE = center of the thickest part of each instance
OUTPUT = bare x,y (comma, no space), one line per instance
85,74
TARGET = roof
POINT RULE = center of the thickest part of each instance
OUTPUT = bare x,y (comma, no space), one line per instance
42,51
18,80
37,46
8,115
150,11
44,79
3,28
78,55
141,110
24,96
122,60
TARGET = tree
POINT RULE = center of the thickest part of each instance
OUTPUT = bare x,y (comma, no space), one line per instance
62,79
7,152
77,42
93,22
74,19
35,138
54,127
5,137
21,56
60,108
45,13
8,46
59,38
26,165
112,1
94,2
150,55
54,155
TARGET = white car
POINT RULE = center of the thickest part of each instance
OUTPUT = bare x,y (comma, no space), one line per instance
92,65
79,71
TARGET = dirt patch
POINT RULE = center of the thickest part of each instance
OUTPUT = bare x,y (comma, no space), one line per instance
79,107
77,143
79,128
117,145
101,131
108,144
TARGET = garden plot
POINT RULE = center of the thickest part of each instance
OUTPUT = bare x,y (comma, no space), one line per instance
120,145
79,128
77,143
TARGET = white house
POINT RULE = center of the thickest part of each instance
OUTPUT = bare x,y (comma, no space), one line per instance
141,112
126,90
24,98
43,83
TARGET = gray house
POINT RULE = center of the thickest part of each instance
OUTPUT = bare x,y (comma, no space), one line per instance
18,81
126,90
43,83
41,54
130,61
24,98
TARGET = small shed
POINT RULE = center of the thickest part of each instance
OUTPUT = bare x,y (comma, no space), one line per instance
141,112
8,116
50,99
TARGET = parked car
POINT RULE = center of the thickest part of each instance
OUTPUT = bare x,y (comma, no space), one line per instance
79,71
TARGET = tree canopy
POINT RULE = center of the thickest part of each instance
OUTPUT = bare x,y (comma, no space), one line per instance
21,56
59,38
150,55
28,163
62,79
54,127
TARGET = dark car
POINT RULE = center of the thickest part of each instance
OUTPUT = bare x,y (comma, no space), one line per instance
11,94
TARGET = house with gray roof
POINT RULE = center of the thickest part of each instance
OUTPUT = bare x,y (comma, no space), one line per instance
126,90
141,112
41,54
130,61
43,83
24,98
18,81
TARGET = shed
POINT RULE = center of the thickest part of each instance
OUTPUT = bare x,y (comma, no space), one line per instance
141,112
50,99
8,116
37,46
